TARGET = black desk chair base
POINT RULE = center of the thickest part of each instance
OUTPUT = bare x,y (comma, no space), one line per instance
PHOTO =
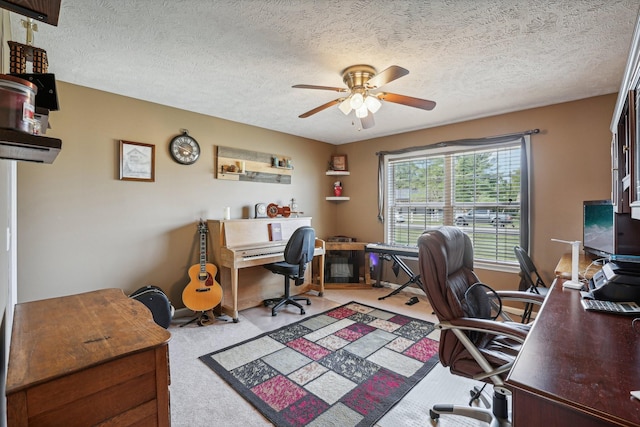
281,302
496,416
286,300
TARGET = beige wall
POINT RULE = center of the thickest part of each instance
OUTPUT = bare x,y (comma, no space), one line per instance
5,223
6,299
80,228
571,162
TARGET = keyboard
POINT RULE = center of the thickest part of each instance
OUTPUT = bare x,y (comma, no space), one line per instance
610,307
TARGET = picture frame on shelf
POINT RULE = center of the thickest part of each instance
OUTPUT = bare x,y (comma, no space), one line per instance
137,161
339,162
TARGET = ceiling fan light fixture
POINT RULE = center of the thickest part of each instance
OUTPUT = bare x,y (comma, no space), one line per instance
345,106
372,103
361,80
362,111
356,101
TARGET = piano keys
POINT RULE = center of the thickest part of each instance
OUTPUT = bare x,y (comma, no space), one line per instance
240,247
381,248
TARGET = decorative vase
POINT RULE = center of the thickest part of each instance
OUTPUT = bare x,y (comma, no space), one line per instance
337,191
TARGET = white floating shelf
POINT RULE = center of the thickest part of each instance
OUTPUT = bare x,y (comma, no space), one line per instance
338,198
338,173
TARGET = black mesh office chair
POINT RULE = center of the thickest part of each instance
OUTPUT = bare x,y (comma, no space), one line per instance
531,280
474,343
297,254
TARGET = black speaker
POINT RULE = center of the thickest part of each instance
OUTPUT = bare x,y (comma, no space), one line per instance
47,97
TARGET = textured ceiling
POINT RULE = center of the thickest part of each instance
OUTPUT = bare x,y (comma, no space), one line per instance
237,59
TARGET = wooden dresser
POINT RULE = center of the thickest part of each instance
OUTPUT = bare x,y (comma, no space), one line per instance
95,358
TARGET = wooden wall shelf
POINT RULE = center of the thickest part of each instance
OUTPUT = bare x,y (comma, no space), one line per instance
254,166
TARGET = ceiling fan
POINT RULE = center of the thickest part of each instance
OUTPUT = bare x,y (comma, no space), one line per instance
361,80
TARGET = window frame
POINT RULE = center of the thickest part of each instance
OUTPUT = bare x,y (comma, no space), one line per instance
451,149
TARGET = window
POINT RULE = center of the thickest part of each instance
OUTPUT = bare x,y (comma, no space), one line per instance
478,188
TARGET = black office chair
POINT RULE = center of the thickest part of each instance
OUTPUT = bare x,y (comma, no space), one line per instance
297,254
474,343
531,280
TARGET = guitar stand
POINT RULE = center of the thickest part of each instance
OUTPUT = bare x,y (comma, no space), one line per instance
399,263
203,319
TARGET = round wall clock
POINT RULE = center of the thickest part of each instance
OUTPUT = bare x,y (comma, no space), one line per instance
261,210
272,210
184,149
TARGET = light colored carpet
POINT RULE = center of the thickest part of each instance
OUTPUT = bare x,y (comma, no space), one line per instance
199,397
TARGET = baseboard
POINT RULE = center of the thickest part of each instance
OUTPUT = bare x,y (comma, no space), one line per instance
408,289
515,311
183,312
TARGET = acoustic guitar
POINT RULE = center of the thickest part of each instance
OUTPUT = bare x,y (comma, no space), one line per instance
203,292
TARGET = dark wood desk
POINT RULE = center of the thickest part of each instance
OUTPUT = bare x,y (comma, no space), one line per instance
576,368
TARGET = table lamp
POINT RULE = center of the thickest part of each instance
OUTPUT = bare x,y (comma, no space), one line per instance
574,283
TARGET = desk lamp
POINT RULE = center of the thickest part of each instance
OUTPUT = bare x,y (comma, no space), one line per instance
574,283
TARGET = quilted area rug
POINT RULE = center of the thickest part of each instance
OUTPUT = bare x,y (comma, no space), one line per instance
344,367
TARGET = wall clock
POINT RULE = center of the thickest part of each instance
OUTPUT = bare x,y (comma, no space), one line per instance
261,210
273,210
184,149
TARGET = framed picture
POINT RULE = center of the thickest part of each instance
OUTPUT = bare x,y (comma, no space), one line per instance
137,161
339,162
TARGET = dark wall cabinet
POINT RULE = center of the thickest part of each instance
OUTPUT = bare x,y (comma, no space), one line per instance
40,10
625,127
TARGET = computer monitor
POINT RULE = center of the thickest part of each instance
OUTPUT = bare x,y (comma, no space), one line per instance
598,228
606,232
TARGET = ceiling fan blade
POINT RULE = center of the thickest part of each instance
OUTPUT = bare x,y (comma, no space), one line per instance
425,104
367,121
386,76
320,108
336,89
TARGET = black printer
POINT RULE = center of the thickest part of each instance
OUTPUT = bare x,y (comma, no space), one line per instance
617,281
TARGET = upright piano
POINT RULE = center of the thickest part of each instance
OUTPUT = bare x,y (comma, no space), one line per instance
240,247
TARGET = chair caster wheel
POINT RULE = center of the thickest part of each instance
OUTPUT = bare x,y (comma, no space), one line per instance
302,312
433,415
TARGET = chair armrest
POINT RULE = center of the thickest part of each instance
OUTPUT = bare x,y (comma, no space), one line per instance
521,296
483,325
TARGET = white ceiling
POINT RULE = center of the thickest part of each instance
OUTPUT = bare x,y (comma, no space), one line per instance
237,59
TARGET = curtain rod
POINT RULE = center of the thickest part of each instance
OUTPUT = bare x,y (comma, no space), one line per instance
463,141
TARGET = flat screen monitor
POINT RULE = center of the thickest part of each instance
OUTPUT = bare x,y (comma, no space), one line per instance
599,228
